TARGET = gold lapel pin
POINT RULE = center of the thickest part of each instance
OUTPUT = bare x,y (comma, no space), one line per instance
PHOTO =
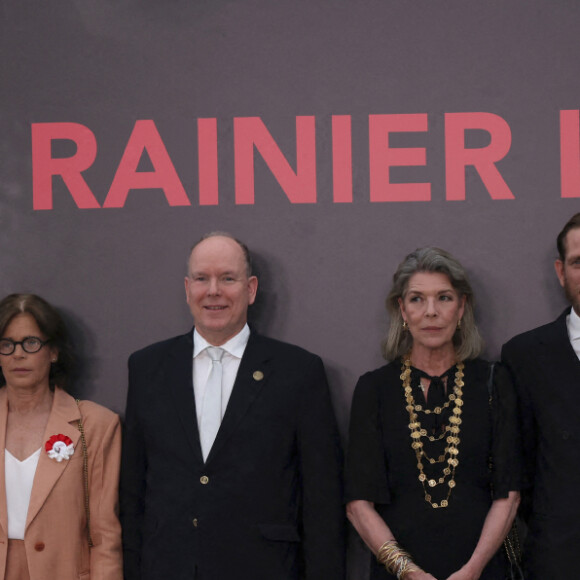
258,375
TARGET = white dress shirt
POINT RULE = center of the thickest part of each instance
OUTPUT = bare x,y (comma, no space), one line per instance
18,476
234,350
573,324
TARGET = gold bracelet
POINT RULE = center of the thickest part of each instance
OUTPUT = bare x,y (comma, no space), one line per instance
409,567
395,560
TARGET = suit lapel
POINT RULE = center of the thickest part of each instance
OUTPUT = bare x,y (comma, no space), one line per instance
253,376
63,419
177,376
559,362
3,423
557,349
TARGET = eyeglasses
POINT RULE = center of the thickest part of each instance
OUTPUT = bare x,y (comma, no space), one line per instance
30,344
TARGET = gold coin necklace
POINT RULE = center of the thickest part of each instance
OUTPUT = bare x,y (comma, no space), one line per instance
452,430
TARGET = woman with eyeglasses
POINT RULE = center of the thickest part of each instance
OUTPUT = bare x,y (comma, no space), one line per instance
59,459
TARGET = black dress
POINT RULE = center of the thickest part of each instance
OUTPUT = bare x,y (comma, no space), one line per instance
382,466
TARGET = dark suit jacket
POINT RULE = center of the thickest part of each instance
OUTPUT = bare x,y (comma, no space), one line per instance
267,503
546,372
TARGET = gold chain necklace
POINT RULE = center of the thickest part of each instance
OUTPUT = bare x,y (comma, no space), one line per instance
451,451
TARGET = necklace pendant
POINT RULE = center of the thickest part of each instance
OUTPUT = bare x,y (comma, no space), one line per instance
417,433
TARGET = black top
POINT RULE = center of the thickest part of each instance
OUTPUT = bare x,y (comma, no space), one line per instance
382,466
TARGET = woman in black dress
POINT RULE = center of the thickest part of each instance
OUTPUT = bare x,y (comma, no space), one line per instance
432,470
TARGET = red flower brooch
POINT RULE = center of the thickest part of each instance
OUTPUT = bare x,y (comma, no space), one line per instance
59,447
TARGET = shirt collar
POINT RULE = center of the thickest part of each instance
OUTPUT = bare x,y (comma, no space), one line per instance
234,346
573,325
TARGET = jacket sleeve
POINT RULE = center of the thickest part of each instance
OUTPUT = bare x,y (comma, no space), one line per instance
104,441
506,448
323,517
133,477
512,362
366,466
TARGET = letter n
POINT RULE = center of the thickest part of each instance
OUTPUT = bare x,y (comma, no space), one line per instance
299,186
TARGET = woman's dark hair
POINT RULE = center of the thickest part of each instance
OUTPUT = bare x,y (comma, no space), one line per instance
52,327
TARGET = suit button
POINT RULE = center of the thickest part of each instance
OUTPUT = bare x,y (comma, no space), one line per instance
204,479
195,522
39,546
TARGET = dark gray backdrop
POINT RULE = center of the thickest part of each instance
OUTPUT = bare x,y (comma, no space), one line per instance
325,267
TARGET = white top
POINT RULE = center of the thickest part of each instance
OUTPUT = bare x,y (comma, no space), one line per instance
234,350
19,476
573,324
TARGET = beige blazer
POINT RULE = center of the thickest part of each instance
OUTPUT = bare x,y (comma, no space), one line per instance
55,536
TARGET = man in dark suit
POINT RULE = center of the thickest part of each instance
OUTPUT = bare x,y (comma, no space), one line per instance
261,498
545,366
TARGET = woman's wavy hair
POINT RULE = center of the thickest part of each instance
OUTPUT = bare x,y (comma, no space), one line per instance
52,327
466,340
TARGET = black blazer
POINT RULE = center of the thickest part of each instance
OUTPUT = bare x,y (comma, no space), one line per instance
267,503
546,373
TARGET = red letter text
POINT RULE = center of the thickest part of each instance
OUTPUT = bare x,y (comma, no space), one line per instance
299,187
457,156
382,158
342,158
570,153
69,168
164,176
207,155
